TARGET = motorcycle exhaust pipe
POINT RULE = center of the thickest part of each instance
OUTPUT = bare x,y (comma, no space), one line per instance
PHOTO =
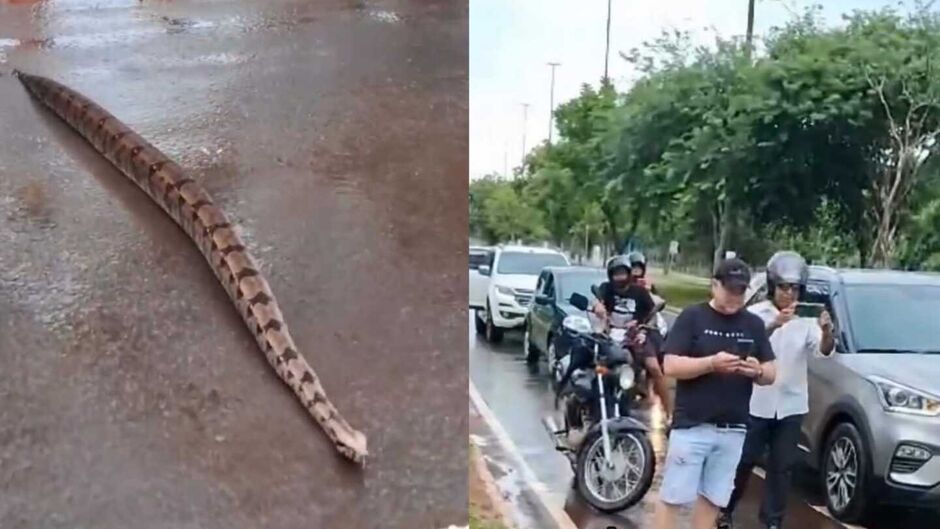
554,432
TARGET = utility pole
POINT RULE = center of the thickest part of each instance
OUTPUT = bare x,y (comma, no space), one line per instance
525,116
749,36
551,103
727,215
607,50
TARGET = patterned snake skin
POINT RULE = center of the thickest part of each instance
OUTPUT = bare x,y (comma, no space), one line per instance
187,203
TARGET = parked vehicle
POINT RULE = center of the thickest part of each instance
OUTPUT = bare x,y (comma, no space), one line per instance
550,307
479,256
609,451
873,428
512,278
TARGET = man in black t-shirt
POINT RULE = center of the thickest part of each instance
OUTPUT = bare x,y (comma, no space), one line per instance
716,351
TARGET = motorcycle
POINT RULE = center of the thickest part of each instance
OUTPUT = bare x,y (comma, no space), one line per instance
609,451
558,364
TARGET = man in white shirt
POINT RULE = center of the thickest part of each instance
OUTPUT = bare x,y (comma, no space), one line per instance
777,410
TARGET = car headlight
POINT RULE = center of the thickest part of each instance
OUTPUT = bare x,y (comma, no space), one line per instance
627,377
577,323
902,399
917,453
506,291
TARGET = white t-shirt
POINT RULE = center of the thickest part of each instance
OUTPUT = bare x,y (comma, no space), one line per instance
792,344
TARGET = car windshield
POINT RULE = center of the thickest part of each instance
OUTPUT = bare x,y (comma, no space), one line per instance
528,263
579,283
895,318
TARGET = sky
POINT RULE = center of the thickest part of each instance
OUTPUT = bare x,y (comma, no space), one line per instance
511,42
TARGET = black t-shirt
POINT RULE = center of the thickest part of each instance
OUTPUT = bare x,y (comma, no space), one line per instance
634,303
701,331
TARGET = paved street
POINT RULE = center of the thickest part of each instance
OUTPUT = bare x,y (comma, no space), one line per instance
131,393
518,397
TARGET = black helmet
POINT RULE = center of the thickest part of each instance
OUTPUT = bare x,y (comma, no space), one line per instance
786,267
619,261
637,259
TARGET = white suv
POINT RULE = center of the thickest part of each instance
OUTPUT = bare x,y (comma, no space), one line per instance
513,273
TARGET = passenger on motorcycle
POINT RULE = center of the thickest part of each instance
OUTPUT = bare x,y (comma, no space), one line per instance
625,303
638,271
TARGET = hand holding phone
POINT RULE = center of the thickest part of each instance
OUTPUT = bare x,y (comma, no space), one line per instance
725,362
784,316
750,367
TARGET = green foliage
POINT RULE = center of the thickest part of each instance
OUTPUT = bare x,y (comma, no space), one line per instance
502,215
828,143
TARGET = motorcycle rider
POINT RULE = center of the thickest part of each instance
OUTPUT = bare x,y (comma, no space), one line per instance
625,303
777,410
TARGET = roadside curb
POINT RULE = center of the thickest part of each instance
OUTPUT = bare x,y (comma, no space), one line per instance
492,489
558,515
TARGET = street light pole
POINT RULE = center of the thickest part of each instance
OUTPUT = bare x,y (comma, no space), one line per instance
525,115
607,49
551,103
749,36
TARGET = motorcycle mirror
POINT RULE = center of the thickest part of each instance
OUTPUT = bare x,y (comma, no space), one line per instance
579,301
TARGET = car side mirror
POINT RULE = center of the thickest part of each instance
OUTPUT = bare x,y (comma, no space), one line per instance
579,301
542,299
484,270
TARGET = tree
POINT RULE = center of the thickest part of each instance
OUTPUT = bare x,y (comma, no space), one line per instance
865,97
508,218
552,191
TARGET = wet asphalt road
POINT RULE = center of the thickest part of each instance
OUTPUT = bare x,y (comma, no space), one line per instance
519,396
335,134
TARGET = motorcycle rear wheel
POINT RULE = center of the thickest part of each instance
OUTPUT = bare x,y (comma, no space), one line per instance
640,465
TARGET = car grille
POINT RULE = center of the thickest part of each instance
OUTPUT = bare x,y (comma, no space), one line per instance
905,466
523,296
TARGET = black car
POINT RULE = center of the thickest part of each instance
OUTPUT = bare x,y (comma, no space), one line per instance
550,306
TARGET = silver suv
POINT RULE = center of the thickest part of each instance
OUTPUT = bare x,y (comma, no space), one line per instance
873,428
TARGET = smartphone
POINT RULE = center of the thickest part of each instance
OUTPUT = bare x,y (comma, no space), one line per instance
809,310
744,347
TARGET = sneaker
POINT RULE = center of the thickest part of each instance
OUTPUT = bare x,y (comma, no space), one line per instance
724,521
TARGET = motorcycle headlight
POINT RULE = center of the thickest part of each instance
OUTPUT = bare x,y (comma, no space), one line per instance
627,377
902,399
576,323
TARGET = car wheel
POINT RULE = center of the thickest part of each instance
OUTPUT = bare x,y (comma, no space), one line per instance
479,323
845,474
531,353
492,333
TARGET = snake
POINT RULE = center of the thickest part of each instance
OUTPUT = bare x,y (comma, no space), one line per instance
193,209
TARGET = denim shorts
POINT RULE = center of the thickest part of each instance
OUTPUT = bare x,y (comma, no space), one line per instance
701,461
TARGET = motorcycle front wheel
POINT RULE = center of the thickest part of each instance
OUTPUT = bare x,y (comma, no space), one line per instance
621,484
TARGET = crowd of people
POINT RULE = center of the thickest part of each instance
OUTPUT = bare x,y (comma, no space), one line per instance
741,382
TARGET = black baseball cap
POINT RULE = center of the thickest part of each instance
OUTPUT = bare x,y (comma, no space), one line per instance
733,274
